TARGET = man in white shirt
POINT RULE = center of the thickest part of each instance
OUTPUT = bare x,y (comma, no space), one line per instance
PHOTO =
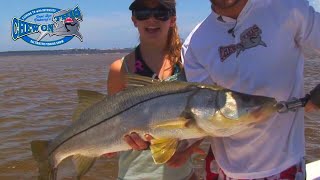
255,47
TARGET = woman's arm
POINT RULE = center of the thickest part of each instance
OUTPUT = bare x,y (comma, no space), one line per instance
115,84
115,81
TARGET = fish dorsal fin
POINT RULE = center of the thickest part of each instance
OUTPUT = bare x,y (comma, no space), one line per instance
162,149
86,99
82,164
133,80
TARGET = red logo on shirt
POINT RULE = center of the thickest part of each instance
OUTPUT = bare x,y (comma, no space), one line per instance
250,38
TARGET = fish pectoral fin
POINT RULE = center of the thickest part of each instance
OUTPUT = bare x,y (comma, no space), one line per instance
82,164
132,80
173,124
86,99
163,149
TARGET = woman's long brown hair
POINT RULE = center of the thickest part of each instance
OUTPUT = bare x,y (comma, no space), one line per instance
174,46
174,43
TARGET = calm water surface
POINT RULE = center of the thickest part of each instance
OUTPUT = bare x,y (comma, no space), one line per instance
38,95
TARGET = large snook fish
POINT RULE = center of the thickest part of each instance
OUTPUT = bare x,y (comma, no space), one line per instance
169,111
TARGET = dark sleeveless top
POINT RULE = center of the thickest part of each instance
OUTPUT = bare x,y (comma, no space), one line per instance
143,69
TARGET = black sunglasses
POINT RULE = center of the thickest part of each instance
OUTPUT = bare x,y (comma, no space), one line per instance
159,14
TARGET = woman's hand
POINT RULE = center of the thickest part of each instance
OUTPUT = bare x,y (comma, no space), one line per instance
136,142
110,155
178,159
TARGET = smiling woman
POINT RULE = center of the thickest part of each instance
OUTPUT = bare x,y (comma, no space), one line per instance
157,56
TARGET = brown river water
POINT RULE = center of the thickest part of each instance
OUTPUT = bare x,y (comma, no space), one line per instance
38,95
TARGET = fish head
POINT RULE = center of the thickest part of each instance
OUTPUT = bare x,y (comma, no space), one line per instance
226,112
244,108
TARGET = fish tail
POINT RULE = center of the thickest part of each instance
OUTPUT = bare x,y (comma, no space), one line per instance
40,153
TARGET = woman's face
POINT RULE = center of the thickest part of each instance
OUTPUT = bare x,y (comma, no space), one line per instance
153,28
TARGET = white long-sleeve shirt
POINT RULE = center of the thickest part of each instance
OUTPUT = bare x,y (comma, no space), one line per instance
264,57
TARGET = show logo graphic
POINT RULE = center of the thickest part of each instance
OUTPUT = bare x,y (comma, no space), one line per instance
46,26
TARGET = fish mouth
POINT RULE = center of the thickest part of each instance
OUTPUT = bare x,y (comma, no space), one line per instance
257,111
262,111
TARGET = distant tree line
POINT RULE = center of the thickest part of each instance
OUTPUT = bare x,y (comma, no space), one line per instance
67,51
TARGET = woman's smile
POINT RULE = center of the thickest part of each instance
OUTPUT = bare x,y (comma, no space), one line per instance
152,29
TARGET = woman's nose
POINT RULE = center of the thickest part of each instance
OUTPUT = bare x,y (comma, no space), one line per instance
152,19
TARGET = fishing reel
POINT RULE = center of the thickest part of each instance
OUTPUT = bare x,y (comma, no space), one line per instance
292,105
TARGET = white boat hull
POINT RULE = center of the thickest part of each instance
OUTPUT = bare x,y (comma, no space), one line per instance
313,170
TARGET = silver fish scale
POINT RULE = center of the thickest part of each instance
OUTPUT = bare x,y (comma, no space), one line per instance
141,118
203,110
114,105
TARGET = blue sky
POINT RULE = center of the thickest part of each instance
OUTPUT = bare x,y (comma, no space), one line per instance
106,23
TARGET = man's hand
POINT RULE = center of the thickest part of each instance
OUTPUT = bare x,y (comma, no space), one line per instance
181,156
314,102
310,107
315,96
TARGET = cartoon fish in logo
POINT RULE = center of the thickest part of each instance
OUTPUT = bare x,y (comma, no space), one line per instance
66,23
250,38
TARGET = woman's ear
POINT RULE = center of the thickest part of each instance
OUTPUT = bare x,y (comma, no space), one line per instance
173,20
134,21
